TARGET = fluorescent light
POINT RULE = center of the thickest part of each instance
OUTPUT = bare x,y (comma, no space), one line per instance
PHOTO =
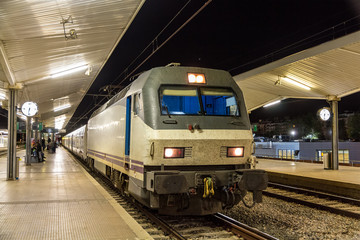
62,107
272,103
59,121
296,83
2,96
71,70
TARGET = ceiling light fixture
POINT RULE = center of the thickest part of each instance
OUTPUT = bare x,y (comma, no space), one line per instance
69,71
272,103
89,70
289,80
62,107
59,121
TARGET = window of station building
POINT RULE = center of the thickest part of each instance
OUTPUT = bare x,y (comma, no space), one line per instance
286,153
343,155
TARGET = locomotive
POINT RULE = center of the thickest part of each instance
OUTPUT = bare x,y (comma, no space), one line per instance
177,139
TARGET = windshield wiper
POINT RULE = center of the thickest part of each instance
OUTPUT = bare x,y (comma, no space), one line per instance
166,109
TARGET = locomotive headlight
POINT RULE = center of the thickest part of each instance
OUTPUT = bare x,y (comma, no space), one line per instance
174,152
235,152
191,78
200,79
196,78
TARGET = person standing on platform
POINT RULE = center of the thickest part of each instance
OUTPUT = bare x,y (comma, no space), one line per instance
49,145
43,144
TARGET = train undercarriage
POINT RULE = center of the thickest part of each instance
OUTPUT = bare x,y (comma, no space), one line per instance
173,192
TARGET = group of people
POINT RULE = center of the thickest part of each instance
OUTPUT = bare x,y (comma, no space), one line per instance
37,151
39,148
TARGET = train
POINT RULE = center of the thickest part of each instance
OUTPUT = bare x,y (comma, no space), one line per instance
177,139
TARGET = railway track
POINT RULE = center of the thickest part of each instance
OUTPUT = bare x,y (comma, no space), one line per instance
336,204
217,226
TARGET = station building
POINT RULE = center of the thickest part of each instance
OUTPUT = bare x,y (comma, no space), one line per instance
349,152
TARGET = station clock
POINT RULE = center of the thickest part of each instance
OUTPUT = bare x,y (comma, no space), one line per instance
324,113
29,109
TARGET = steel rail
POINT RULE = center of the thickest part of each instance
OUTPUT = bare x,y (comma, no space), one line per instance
242,230
298,195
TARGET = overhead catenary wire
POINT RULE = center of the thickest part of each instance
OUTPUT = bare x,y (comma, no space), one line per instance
168,39
299,43
151,43
152,53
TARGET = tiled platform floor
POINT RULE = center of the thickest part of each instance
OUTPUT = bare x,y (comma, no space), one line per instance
57,199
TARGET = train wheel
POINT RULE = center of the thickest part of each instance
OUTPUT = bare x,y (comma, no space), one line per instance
123,185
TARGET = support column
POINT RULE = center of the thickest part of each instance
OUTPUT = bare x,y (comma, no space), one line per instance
335,134
36,129
11,156
28,141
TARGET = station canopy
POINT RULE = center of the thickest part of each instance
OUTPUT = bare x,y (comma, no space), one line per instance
328,71
53,50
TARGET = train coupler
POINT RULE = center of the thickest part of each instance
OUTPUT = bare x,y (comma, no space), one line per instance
208,187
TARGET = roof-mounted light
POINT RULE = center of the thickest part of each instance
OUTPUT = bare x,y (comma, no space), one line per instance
272,103
62,107
296,83
69,71
196,78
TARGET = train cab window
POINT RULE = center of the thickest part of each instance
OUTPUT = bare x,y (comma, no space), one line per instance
179,101
219,102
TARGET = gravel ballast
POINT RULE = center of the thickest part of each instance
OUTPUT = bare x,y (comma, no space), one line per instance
286,220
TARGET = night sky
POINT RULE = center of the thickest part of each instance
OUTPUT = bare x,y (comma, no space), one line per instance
227,34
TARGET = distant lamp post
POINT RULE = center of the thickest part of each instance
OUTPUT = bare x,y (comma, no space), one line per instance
293,133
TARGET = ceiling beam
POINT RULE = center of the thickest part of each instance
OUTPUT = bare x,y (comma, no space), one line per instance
4,61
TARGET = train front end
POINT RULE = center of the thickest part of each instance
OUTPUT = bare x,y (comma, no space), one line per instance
200,143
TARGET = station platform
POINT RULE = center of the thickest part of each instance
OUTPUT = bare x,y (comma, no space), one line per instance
345,181
58,199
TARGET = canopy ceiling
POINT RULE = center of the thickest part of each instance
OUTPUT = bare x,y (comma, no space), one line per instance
41,38
331,70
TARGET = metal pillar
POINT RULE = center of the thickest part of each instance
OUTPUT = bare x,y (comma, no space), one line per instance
335,134
11,156
36,129
28,141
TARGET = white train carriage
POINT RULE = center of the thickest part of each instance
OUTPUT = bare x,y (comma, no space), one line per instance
179,140
76,142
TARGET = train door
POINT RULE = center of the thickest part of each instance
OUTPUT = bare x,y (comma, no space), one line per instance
128,126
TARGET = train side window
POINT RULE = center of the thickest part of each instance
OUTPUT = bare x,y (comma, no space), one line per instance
137,103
